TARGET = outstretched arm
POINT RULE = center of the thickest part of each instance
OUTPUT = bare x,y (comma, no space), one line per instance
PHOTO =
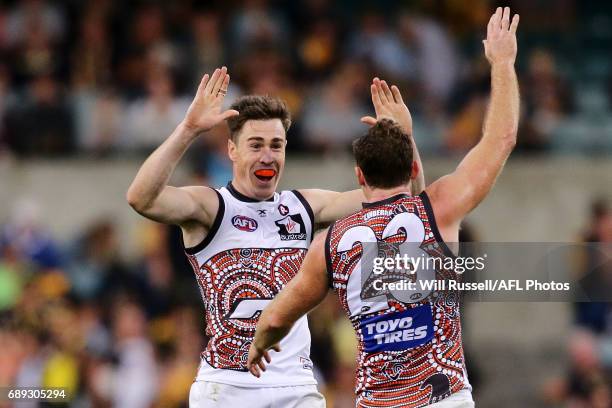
301,295
149,193
455,195
329,206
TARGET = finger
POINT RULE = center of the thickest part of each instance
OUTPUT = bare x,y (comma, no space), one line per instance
261,365
219,81
381,92
396,94
490,25
514,25
229,114
505,22
202,85
211,82
498,17
254,370
223,87
266,355
276,347
387,91
375,97
368,120
495,20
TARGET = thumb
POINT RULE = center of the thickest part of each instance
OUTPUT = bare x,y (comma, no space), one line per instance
368,120
276,347
229,114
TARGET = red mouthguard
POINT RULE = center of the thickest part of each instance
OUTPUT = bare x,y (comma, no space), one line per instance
265,173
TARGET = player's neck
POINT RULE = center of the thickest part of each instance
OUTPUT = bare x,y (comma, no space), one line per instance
378,194
241,192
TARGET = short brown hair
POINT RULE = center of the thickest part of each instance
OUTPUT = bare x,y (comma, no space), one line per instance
384,155
258,107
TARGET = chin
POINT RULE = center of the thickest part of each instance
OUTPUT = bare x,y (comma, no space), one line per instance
264,189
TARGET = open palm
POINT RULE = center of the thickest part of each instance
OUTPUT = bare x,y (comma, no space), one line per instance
388,103
205,110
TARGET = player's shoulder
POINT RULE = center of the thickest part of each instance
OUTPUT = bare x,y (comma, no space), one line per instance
316,196
204,193
318,199
206,197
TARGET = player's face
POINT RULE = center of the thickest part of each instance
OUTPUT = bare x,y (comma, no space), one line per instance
259,157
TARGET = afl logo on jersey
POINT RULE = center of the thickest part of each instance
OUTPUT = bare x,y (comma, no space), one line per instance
244,223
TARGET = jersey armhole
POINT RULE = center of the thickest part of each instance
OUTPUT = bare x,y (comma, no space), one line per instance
328,261
308,210
432,224
211,232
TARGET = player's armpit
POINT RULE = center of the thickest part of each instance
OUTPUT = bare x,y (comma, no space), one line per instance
329,206
301,295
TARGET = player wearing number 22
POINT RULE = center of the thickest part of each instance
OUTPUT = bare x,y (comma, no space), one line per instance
246,241
410,351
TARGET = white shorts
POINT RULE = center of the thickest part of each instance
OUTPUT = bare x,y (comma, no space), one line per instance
461,399
206,394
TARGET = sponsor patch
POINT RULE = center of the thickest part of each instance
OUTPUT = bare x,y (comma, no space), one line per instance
283,209
244,223
398,331
306,363
377,213
291,227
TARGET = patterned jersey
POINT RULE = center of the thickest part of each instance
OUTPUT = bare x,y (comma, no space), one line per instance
409,343
250,253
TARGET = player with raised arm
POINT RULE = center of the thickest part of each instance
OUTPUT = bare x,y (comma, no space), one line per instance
410,350
246,241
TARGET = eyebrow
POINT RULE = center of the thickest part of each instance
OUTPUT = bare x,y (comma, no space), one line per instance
261,139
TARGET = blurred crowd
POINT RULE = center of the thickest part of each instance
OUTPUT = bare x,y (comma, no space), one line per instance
107,77
588,381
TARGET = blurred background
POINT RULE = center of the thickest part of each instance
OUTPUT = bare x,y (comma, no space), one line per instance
94,297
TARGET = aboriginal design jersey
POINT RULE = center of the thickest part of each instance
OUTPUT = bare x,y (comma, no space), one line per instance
409,350
250,253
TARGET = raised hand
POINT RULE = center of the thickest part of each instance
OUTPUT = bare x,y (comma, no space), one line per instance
500,45
388,103
205,110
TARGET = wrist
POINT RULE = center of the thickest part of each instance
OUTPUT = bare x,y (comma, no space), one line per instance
257,344
502,64
187,132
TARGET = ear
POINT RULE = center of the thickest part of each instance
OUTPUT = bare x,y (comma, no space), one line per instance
360,177
231,149
415,170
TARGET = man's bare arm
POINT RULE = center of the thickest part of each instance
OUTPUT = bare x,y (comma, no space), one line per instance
329,206
301,295
455,195
149,193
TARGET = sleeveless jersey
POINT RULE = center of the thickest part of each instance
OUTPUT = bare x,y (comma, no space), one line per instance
410,352
251,252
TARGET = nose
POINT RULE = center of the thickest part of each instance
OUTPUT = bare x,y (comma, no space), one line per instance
266,156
